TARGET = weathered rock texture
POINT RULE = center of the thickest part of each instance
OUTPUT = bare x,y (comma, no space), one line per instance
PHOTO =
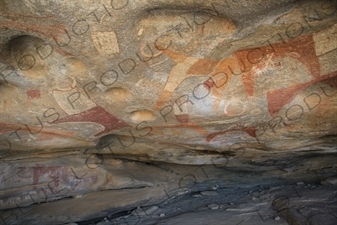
107,106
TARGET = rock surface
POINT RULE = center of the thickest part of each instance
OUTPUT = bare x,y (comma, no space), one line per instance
168,112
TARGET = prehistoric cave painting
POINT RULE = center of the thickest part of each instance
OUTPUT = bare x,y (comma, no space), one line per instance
251,131
45,134
280,97
80,108
33,94
58,175
234,107
249,62
177,75
181,113
97,115
327,38
331,82
193,126
59,75
301,49
105,42
52,172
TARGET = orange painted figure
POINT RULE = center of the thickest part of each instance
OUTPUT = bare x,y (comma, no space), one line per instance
246,63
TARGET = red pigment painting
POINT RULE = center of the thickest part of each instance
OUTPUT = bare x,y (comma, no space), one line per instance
33,94
96,115
251,131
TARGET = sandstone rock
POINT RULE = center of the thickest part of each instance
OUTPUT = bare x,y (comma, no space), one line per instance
144,211
208,193
213,206
107,106
104,223
330,181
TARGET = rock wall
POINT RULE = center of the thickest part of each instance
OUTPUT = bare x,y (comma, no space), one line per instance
113,107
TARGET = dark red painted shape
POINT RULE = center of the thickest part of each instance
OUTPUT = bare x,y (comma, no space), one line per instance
96,115
278,98
33,94
303,45
182,118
